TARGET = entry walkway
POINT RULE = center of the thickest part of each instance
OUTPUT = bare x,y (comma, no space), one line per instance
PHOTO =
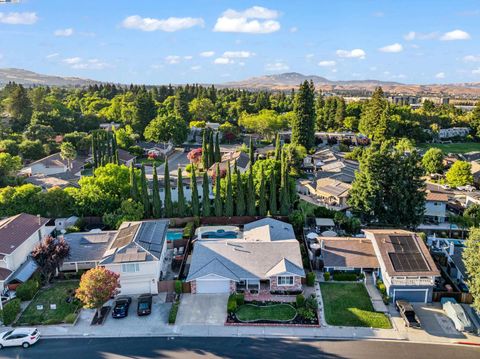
374,294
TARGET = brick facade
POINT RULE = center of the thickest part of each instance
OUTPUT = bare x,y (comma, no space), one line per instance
297,284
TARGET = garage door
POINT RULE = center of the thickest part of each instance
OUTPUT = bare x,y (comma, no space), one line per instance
135,287
213,286
410,295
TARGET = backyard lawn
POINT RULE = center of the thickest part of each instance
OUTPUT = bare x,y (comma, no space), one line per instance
348,304
149,162
275,312
460,147
58,294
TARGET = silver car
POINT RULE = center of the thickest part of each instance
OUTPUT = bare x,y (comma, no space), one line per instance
456,313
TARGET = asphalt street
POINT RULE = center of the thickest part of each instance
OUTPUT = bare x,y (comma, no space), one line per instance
184,347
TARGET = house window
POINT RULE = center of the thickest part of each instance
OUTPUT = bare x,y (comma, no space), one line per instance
130,267
285,280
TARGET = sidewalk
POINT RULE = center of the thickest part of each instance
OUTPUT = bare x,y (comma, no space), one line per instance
375,295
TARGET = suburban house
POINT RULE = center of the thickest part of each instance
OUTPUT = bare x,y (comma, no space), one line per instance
265,258
241,158
110,126
406,266
18,236
327,163
332,192
324,224
435,207
137,253
445,133
161,150
86,249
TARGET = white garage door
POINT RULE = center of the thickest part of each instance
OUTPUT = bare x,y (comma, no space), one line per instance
213,286
135,287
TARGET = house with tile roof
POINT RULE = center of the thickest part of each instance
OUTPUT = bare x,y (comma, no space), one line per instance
264,258
435,207
18,236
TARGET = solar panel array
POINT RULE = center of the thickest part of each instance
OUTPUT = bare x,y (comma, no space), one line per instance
152,236
125,236
406,256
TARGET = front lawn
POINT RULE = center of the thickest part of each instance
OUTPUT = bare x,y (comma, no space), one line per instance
149,162
60,294
274,312
456,147
348,304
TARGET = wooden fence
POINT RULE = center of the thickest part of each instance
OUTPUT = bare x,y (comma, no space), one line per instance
169,286
460,297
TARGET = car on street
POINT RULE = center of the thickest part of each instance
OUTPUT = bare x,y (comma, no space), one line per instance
144,306
408,314
19,337
120,307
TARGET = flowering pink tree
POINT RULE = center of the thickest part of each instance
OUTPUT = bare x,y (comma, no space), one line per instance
194,156
96,287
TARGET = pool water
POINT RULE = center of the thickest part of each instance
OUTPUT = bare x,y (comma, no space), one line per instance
220,234
173,236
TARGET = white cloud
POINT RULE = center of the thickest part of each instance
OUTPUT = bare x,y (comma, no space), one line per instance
327,63
440,75
188,57
355,53
334,70
293,29
238,54
196,67
393,48
373,68
472,58
85,64
455,35
172,59
378,14
412,35
309,56
18,18
476,71
63,32
254,20
169,25
223,61
277,66
207,53
51,56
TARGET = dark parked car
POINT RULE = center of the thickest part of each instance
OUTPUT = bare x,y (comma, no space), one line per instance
408,314
144,306
120,307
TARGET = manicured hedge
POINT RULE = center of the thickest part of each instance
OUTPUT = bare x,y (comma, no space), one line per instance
326,276
310,279
172,316
178,287
240,298
10,311
232,304
345,277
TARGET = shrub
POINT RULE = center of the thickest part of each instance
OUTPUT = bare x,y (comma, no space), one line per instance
361,276
326,276
381,286
300,300
307,313
178,287
70,318
27,290
172,316
232,304
240,299
344,277
135,150
10,311
310,279
311,302
189,230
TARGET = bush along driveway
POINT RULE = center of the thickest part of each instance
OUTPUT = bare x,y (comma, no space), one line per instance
52,305
301,312
348,304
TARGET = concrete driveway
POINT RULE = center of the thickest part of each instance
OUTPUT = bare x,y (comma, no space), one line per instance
435,322
202,309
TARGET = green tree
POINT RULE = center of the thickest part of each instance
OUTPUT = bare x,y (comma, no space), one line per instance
217,154
472,215
168,193
18,107
166,128
145,197
251,152
372,113
303,127
55,203
471,258
432,160
133,183
278,147
201,109
9,165
273,194
181,207
250,195
211,154
68,152
229,194
388,188
206,209
9,146
156,200
460,174
129,210
144,111
262,200
37,131
180,106
218,196
240,195
195,202
31,150
205,162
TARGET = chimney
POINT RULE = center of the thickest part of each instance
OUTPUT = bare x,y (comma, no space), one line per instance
39,219
451,249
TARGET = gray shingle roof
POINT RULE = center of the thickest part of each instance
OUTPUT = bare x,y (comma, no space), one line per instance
270,228
89,246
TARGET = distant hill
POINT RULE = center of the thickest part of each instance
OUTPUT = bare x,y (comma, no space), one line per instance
29,78
290,80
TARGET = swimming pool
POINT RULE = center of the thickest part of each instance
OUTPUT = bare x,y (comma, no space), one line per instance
174,235
220,233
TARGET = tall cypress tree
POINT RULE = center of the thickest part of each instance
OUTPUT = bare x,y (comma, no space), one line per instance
251,152
205,196
217,155
218,196
284,191
145,197
240,200
168,193
251,205
195,202
229,194
133,184
303,126
262,201
211,154
181,196
278,148
273,194
205,163
156,201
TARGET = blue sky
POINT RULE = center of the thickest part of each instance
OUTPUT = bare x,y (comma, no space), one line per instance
186,41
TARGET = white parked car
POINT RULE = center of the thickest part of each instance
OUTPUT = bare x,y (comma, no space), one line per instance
456,313
19,337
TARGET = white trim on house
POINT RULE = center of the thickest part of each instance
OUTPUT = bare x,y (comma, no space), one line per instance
285,284
395,290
